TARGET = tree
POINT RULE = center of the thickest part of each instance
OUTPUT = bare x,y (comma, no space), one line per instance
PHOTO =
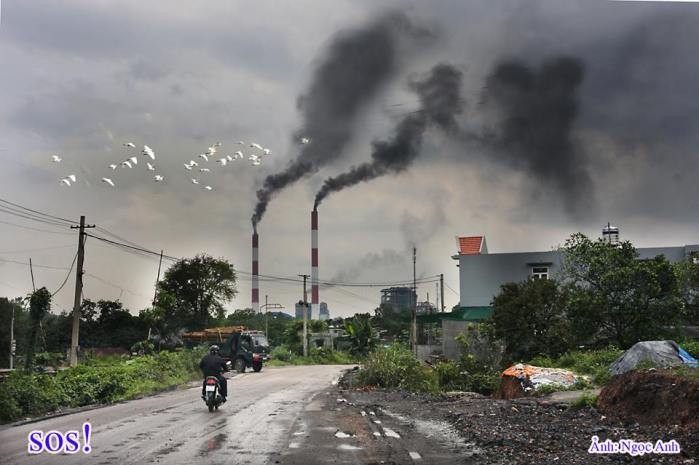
392,322
21,329
362,335
616,297
194,290
530,318
687,272
39,306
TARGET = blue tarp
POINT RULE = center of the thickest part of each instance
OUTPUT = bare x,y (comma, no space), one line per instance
686,358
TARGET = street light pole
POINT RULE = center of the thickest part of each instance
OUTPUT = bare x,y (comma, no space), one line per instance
305,315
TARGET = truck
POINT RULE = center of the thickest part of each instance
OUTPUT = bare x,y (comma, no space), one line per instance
242,347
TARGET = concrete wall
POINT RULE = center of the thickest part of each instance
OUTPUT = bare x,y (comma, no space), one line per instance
425,351
451,329
480,276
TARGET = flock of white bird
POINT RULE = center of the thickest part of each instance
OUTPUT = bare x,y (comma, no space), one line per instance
255,157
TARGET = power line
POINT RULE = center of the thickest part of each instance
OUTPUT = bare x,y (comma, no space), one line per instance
35,229
37,250
67,276
452,290
35,265
38,212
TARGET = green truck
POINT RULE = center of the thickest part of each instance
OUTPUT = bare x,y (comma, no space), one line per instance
245,349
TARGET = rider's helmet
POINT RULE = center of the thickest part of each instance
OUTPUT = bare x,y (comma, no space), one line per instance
213,350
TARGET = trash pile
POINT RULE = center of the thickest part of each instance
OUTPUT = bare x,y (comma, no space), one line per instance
522,380
660,353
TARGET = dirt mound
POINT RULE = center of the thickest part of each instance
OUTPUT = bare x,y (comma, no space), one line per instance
510,388
657,397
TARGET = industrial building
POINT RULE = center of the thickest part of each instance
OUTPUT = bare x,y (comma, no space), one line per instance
299,310
399,297
324,313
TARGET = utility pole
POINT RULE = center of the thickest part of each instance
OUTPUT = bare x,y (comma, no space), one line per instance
157,280
413,332
13,343
78,291
31,272
441,289
266,319
305,315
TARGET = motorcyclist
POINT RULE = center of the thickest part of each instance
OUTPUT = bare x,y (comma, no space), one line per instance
213,365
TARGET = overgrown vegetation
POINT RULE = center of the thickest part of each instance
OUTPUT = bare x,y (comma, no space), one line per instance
396,367
98,380
593,363
282,356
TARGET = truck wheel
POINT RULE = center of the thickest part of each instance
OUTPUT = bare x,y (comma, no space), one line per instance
256,366
240,365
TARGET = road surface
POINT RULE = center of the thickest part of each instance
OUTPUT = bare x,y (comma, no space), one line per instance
254,427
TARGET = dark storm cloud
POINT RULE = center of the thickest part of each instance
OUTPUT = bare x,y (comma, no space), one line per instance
440,102
355,68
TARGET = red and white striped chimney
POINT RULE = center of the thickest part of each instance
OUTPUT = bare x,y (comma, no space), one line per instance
255,272
314,263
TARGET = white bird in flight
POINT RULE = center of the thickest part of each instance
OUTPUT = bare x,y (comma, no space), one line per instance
204,170
65,182
253,157
222,161
108,181
56,158
208,188
72,177
134,160
148,152
188,166
255,146
113,166
194,181
130,145
126,164
256,163
193,163
150,167
266,151
211,150
239,154
229,158
204,156
305,140
158,178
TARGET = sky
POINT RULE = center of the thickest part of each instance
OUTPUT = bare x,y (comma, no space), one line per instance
575,113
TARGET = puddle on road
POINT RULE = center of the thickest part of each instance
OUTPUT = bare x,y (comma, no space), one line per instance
348,447
213,444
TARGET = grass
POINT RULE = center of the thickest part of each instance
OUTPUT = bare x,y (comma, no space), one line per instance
282,356
586,400
99,380
594,363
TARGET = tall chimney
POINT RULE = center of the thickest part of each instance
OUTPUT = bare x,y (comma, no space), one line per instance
255,272
314,263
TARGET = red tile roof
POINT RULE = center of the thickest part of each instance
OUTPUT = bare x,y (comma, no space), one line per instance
470,245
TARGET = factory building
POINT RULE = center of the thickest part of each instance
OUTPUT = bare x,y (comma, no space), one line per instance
324,313
299,310
398,297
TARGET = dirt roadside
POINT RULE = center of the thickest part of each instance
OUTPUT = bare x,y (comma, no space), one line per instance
346,425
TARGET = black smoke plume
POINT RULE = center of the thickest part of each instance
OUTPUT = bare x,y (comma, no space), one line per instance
440,102
356,67
536,112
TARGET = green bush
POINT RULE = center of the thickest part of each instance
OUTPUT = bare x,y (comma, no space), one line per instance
281,356
396,367
586,400
97,381
691,346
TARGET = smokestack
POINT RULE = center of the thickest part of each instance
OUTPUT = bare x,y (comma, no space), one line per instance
255,272
314,263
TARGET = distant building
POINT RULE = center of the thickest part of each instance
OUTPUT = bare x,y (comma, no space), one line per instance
324,313
299,310
398,297
425,308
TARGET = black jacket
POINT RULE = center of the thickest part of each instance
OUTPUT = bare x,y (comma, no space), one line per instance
212,365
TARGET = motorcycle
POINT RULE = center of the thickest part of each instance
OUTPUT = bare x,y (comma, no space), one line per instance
212,389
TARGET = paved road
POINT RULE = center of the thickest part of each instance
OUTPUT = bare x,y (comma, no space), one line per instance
253,427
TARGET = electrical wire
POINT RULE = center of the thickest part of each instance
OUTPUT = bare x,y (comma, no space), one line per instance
38,212
36,229
67,276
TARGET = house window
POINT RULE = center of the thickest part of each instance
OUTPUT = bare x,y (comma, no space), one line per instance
540,272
